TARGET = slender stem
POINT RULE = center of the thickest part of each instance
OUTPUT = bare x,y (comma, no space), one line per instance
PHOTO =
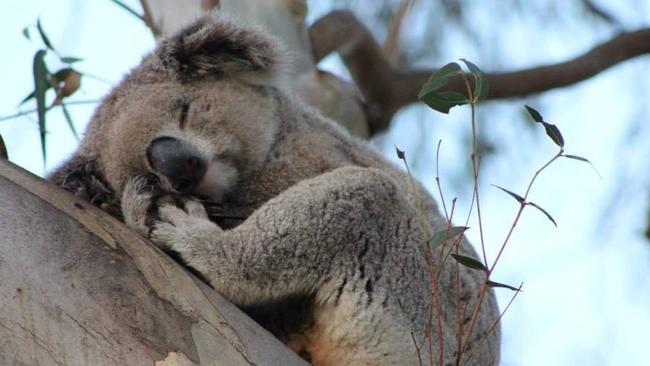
442,197
472,322
128,9
494,324
73,102
522,205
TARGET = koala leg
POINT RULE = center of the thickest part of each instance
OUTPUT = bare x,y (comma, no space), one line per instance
348,237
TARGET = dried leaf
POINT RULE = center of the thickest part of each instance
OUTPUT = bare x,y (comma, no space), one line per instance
543,211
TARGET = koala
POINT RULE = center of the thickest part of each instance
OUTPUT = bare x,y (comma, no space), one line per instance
308,230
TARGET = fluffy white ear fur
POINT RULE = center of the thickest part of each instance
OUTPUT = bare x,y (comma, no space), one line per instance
213,45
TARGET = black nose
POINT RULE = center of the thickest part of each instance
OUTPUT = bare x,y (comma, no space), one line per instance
177,160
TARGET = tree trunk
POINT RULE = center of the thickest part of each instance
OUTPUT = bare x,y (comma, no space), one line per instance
80,288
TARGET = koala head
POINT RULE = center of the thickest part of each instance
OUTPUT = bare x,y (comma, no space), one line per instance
198,112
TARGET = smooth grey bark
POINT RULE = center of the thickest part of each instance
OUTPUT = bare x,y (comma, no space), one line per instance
78,287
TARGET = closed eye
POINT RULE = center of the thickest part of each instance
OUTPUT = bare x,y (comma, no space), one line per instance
182,119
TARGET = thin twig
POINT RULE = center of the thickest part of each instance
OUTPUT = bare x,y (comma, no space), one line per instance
129,9
73,102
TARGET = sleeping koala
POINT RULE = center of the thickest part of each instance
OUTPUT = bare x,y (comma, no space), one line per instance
307,229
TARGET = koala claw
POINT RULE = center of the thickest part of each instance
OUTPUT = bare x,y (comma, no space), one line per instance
84,182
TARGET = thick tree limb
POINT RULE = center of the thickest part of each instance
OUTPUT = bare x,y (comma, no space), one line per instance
386,89
79,288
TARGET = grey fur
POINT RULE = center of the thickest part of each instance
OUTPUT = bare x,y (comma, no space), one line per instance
327,217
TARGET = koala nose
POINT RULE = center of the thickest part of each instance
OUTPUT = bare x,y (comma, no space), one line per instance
177,160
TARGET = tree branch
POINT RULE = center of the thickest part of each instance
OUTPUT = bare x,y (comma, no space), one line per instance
386,89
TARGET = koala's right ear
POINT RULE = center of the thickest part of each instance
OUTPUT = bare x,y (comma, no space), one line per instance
213,45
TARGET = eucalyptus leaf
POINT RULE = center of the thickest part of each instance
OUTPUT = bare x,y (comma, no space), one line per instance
580,158
444,101
70,60
44,37
439,78
537,117
469,262
543,211
554,133
41,84
443,236
519,198
26,32
68,119
481,83
497,284
400,153
27,98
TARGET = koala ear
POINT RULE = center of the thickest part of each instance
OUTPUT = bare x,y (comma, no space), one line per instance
213,45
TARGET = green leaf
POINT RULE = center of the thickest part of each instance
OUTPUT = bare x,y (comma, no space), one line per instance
28,97
551,130
580,158
469,262
537,117
497,284
400,153
481,83
443,102
543,211
44,37
129,9
554,133
519,198
439,78
41,84
443,236
70,60
68,119
26,32
3,149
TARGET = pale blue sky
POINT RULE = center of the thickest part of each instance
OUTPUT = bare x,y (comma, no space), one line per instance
586,298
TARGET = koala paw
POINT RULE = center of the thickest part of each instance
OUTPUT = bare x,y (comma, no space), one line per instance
86,183
181,229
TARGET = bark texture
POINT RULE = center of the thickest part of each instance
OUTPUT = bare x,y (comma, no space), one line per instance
80,288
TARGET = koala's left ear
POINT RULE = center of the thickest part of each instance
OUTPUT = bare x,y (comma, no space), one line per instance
213,45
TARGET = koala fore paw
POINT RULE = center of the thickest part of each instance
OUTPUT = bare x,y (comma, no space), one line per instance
85,182
182,230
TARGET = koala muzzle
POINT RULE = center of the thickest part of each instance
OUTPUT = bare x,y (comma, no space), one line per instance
180,162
